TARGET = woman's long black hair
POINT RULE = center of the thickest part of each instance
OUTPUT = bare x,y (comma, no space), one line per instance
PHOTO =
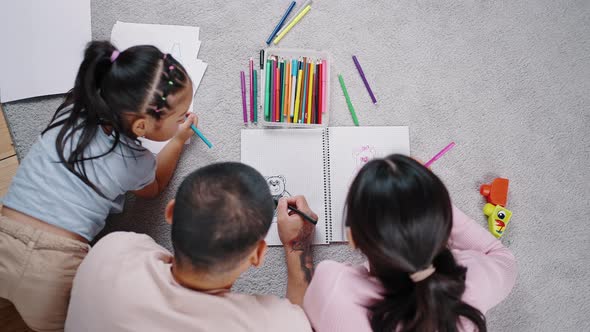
112,93
400,216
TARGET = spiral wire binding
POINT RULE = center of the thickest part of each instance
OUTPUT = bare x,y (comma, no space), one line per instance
327,191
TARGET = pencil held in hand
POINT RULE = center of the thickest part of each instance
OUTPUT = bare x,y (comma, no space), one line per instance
201,136
299,212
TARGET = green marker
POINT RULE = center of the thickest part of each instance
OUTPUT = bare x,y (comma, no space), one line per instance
267,91
350,107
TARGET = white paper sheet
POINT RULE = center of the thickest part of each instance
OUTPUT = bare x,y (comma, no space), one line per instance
350,149
182,42
295,159
42,46
196,70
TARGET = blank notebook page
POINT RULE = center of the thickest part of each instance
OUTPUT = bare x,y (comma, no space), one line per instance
350,149
293,161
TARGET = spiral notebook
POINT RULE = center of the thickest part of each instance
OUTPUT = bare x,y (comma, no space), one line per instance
319,164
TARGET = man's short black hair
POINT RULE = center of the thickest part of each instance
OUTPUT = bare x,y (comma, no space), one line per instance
221,212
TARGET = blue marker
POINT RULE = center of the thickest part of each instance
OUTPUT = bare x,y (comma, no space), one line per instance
281,22
201,136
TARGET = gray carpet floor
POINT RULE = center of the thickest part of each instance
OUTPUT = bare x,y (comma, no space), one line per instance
508,81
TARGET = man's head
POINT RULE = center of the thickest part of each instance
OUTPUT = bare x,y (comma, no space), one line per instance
220,217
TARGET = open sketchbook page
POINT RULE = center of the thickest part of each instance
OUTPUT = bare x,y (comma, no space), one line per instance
292,163
42,46
182,42
350,149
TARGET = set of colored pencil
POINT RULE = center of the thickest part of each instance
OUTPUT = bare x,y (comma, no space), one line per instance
295,90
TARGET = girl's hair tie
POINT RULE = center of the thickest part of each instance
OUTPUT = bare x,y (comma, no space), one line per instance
157,110
164,98
391,165
171,68
114,55
170,83
422,274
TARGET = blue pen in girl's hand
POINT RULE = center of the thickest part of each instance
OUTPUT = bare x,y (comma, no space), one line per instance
201,136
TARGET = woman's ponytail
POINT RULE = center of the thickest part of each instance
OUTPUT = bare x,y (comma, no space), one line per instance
400,216
432,304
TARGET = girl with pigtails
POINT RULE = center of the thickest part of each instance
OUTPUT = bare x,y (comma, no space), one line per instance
82,165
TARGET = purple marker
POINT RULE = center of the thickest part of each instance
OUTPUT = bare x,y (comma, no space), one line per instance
358,67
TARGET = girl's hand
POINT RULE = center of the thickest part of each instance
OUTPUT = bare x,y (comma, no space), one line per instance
184,130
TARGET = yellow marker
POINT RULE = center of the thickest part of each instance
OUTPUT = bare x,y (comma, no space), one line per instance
292,24
310,92
298,97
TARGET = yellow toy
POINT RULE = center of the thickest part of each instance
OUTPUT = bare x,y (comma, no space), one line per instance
498,218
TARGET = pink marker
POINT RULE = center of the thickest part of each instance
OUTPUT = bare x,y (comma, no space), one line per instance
440,154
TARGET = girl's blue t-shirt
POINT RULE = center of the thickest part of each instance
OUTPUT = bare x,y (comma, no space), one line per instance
45,189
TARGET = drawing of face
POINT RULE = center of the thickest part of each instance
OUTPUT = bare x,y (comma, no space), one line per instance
363,155
276,184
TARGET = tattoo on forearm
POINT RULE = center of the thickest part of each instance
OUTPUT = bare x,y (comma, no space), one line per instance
303,239
302,242
307,264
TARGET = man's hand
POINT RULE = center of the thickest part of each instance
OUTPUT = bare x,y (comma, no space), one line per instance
295,232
